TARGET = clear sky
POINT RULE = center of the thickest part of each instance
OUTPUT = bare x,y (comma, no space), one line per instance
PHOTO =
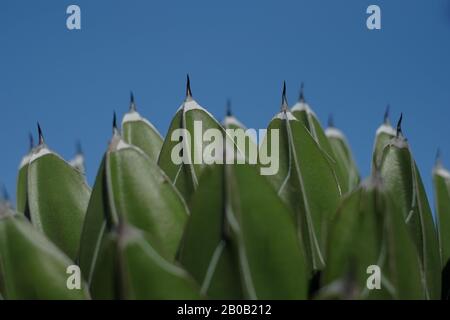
71,81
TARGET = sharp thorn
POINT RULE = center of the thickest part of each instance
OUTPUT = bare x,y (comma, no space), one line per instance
5,193
30,140
284,103
114,124
188,87
386,115
78,148
438,158
228,108
330,121
301,96
399,126
132,104
41,136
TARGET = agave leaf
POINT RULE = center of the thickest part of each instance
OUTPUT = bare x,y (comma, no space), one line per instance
230,246
57,197
402,179
22,182
441,183
129,185
240,136
205,253
306,181
303,112
343,156
78,161
185,175
368,231
140,132
31,267
128,267
230,121
383,136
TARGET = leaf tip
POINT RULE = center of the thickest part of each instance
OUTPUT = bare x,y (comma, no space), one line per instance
228,108
30,141
5,194
399,126
41,136
114,124
78,148
132,104
438,158
284,103
330,121
301,96
188,87
386,114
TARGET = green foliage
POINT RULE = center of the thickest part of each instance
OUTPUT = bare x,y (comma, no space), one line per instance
402,180
31,267
441,183
367,231
131,187
57,197
151,228
140,132
185,176
230,247
305,172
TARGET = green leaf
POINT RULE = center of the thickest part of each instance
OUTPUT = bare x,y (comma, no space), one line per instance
185,176
139,132
78,160
368,231
441,183
343,156
231,245
383,136
303,112
22,186
57,197
306,181
129,185
22,182
402,180
241,138
31,267
128,267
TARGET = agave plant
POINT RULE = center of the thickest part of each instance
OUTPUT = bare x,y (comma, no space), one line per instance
441,182
153,228
305,171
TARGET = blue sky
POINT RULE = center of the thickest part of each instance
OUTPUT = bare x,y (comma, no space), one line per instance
71,81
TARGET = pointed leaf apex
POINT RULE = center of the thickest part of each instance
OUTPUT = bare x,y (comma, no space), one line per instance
301,96
41,136
132,104
228,108
5,193
284,103
114,124
399,125
330,121
188,87
79,149
438,159
30,140
386,115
